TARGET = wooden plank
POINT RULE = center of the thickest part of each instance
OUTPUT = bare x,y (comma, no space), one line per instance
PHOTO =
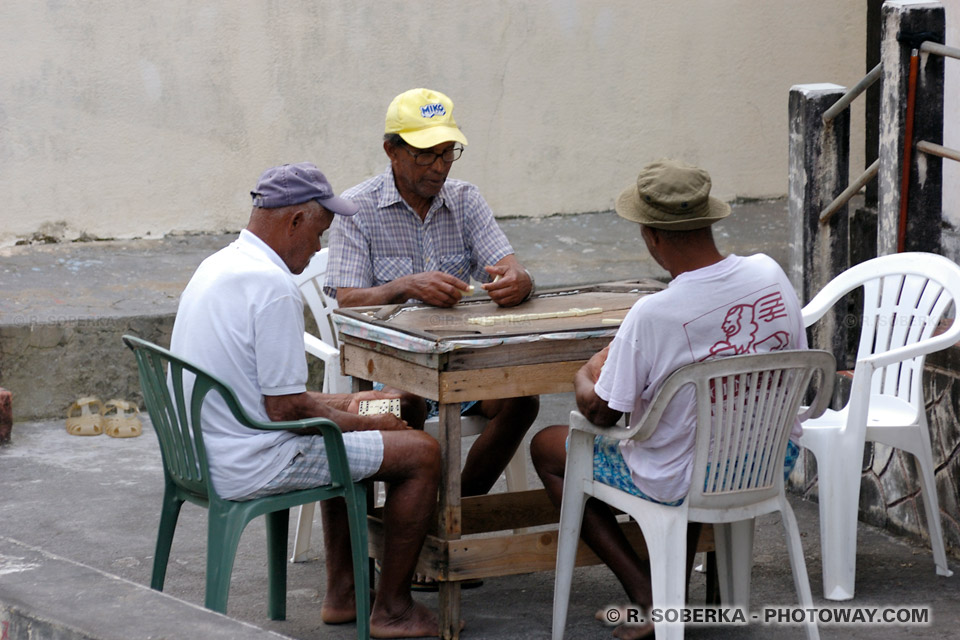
508,382
362,363
485,557
429,360
538,352
449,521
505,511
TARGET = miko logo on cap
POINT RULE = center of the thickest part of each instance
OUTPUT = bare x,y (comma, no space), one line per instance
434,109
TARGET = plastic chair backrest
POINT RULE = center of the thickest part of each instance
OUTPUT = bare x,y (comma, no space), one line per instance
176,417
746,408
321,305
905,296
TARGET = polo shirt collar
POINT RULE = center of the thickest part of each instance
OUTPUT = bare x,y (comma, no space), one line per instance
251,242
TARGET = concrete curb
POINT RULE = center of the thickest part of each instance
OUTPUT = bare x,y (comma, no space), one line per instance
45,596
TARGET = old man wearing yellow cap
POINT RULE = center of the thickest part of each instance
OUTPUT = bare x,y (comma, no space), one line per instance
421,236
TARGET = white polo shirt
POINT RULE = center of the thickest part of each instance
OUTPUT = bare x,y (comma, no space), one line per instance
241,318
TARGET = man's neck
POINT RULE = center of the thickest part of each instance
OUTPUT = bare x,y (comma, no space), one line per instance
696,261
419,204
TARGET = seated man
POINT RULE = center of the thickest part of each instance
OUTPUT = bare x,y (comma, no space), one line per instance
715,306
420,236
241,318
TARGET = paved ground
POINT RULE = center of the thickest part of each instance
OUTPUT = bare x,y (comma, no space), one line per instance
71,507
96,501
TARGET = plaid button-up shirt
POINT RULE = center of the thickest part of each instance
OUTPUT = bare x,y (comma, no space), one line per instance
386,239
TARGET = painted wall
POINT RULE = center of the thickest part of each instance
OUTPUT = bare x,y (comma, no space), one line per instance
121,119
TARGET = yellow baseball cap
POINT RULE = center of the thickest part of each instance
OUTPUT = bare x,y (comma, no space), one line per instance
423,118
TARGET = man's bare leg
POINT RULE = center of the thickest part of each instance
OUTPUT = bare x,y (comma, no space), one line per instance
600,529
411,469
510,419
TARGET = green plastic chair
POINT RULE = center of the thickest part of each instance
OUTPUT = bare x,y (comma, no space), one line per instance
176,421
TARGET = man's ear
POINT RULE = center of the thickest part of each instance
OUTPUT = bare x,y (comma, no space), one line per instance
389,149
297,219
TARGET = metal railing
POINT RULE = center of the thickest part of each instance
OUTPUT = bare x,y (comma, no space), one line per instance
931,148
924,146
837,107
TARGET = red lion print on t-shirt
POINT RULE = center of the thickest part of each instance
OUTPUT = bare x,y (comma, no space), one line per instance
743,328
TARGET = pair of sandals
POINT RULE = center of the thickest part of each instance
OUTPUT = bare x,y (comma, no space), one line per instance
89,416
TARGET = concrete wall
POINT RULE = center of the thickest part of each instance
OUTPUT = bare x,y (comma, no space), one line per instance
122,119
951,133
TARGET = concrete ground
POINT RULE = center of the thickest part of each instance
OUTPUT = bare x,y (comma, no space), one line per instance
78,516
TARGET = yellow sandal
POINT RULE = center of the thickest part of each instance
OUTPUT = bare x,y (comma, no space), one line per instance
85,417
122,419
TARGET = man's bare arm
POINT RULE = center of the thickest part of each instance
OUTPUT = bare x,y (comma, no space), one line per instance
340,408
432,287
513,284
593,407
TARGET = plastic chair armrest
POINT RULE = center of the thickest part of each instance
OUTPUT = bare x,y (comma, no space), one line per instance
579,421
320,349
906,352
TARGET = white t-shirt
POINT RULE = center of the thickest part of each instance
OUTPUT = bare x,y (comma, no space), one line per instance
241,319
736,306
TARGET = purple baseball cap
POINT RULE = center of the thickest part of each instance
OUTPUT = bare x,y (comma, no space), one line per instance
292,184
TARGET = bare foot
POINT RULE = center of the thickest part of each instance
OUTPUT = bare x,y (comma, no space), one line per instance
612,614
417,621
340,610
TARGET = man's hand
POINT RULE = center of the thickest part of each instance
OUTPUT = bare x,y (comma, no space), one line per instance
383,422
434,288
353,406
512,284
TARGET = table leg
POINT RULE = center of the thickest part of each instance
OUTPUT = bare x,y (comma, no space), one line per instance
449,523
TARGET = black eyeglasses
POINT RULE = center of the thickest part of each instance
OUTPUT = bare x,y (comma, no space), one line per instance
426,158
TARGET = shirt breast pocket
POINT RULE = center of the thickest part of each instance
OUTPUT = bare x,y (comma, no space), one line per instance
456,264
387,269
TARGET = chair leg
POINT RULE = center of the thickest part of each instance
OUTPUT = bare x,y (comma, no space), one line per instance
223,536
516,472
357,521
735,561
278,527
579,469
571,518
797,563
666,540
169,513
839,495
301,538
928,486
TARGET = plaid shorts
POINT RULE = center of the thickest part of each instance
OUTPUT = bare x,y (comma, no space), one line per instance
611,469
309,468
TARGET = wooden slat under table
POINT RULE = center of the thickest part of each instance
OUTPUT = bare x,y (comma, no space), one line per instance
440,354
483,556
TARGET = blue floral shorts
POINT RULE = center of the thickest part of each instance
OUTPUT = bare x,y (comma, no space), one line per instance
611,469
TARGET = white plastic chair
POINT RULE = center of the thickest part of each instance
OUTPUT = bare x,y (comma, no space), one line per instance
904,297
327,348
737,475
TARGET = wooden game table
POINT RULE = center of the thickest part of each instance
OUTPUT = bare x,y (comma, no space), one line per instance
436,353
